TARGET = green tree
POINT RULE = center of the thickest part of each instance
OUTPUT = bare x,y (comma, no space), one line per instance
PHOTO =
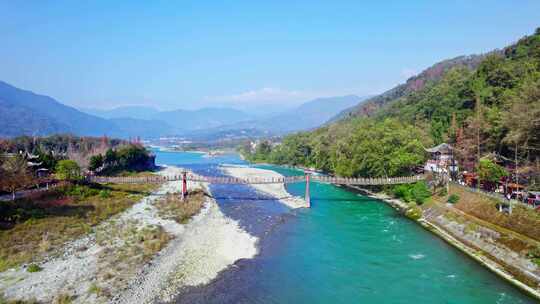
96,162
110,157
132,157
47,160
68,170
490,171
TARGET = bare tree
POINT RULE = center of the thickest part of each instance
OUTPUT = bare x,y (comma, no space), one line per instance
15,175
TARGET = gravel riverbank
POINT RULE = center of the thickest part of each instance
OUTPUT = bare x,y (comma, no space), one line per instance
198,251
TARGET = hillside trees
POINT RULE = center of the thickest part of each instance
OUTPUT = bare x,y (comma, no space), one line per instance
363,147
522,117
375,149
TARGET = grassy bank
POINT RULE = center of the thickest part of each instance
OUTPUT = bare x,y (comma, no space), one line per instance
172,206
523,220
36,226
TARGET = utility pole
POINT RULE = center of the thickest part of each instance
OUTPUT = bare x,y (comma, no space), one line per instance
479,125
516,165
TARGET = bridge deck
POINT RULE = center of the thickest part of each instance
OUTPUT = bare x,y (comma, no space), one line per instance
282,180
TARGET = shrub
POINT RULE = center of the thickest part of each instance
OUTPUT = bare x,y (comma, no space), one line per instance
104,193
490,171
403,192
34,268
454,198
417,192
79,191
68,170
420,192
414,213
96,161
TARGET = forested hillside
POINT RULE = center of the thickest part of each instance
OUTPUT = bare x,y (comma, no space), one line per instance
491,107
413,84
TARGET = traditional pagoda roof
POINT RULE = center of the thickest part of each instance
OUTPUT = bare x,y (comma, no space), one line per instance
443,148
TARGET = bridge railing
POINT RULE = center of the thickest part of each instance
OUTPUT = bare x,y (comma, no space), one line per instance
272,180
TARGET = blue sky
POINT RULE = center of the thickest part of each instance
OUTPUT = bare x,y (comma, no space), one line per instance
182,54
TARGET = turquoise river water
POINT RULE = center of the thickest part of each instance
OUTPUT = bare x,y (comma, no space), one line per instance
347,248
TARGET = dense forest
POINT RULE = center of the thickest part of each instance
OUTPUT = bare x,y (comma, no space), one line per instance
489,108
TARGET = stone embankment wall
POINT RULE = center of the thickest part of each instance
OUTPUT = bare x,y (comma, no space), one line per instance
508,252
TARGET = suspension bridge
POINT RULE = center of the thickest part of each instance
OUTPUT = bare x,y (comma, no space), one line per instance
307,178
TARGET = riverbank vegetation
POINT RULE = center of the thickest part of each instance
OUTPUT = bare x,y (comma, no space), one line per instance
124,159
35,226
173,207
491,107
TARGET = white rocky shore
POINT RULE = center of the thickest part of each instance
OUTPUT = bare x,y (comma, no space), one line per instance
199,250
276,190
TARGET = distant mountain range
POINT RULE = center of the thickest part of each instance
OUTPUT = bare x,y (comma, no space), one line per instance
216,122
176,121
26,113
307,116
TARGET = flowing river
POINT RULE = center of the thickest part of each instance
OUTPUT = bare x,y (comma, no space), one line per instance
347,248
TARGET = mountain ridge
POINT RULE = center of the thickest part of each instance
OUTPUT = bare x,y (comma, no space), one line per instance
433,73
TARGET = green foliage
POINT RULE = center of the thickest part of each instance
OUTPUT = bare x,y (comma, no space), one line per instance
506,87
48,160
126,158
68,170
490,171
453,199
96,161
414,213
34,268
403,192
417,192
104,193
110,157
79,191
364,148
